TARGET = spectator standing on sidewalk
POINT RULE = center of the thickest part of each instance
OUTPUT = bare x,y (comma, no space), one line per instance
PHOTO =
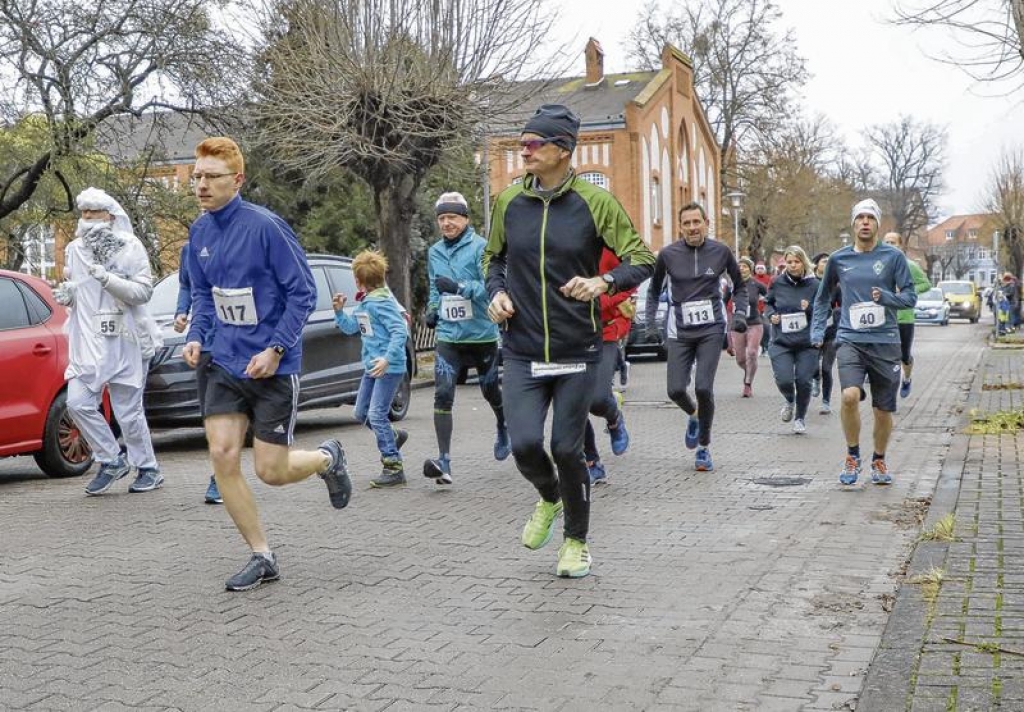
181,312
111,339
457,311
379,322
875,282
542,269
905,317
251,277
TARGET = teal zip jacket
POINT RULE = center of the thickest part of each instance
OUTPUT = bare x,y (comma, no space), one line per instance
379,321
461,259
537,244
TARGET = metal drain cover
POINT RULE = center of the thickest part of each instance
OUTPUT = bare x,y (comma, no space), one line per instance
781,481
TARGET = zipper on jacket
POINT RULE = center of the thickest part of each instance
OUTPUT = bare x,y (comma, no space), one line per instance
543,283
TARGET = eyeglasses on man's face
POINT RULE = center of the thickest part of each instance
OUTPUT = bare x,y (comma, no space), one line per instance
535,144
209,177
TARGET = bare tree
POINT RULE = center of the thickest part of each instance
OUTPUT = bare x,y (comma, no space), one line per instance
78,66
794,193
745,66
990,33
955,258
386,88
1006,203
909,160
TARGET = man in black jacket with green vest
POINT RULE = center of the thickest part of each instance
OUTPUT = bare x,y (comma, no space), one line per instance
541,265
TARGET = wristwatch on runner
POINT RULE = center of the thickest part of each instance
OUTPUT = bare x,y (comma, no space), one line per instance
278,349
609,279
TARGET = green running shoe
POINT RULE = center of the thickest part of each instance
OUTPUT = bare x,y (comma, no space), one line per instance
573,559
540,527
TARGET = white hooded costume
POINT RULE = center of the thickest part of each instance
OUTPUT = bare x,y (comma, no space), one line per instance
111,335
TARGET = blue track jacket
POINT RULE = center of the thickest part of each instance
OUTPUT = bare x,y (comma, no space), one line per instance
184,305
379,321
857,273
244,246
460,259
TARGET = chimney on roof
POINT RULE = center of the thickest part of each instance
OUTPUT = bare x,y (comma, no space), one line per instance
595,62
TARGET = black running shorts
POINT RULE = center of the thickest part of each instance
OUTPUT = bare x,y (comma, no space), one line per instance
271,404
878,363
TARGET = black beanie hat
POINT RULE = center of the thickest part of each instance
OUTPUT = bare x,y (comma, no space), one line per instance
556,122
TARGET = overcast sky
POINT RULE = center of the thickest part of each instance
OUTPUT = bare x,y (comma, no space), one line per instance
864,71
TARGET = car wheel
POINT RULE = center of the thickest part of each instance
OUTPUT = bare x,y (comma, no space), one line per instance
65,452
400,404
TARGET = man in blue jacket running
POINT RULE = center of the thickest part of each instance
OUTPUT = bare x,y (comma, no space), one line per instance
250,277
875,282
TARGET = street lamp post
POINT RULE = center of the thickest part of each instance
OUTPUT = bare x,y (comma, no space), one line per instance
737,202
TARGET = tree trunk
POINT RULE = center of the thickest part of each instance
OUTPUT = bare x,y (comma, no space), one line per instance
396,207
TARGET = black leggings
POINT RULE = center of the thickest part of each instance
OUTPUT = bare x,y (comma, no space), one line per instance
706,350
604,404
828,359
906,343
449,360
527,399
794,369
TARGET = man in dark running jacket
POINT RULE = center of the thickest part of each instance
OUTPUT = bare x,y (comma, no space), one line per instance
542,271
693,268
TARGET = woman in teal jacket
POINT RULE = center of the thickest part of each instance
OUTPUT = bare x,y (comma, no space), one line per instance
378,320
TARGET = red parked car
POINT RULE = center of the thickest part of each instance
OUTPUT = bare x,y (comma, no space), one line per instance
33,355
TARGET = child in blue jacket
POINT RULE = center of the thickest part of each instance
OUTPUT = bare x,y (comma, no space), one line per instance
378,320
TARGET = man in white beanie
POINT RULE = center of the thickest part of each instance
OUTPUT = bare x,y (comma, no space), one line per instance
875,283
111,338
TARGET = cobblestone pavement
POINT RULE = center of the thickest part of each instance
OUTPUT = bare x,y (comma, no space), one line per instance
960,646
761,586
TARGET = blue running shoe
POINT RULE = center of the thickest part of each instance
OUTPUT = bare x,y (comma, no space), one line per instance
880,473
147,480
703,462
109,473
692,432
851,471
619,436
212,493
502,445
904,389
597,473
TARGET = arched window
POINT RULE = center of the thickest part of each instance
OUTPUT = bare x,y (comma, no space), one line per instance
656,200
598,179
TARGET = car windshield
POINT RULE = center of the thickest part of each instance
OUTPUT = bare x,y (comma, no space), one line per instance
165,296
932,295
955,287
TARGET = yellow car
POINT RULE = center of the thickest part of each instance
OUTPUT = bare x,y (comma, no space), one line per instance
964,299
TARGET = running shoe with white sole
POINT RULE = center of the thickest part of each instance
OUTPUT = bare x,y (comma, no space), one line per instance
261,567
851,471
825,408
541,524
108,474
703,462
799,426
439,470
573,559
786,413
692,432
147,480
880,473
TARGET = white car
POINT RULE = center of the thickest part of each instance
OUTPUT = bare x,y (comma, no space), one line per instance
932,308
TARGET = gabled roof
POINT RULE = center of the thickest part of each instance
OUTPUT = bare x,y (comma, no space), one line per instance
961,225
170,136
599,107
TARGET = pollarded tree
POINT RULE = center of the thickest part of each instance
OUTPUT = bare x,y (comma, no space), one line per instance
385,88
79,66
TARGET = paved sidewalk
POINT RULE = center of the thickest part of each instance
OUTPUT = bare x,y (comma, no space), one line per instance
760,586
963,648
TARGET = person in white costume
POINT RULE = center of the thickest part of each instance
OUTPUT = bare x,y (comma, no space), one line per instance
111,339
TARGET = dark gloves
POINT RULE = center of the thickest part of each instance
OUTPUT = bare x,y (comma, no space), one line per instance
431,319
739,323
446,285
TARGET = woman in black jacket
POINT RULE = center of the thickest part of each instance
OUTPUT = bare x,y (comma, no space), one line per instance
788,308
823,380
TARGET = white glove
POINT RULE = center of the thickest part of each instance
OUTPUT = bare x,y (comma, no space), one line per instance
64,294
99,273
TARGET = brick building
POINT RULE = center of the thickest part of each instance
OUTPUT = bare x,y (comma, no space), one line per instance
643,136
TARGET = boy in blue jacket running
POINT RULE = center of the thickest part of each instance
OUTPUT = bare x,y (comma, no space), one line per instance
378,320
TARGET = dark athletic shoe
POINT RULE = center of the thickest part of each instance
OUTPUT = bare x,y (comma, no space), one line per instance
259,569
339,484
